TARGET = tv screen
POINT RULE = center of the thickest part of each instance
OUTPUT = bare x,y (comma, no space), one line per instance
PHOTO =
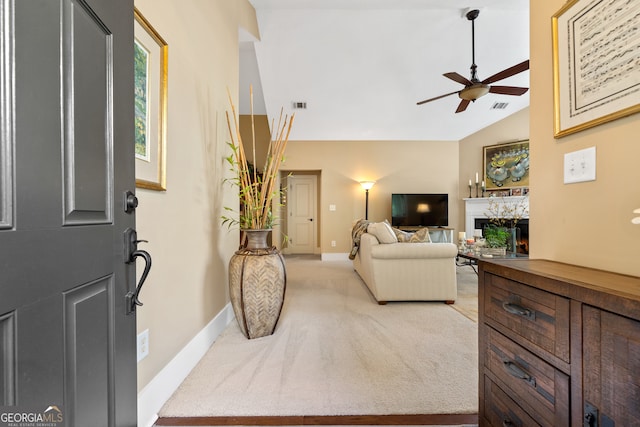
420,210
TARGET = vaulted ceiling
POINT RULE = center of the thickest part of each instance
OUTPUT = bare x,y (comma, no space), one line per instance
362,65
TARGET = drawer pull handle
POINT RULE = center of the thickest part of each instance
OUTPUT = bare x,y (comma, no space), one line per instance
507,423
518,372
518,310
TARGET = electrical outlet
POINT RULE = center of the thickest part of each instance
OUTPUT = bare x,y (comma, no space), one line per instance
143,344
580,166
333,243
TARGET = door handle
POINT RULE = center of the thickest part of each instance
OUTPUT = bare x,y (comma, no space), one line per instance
131,252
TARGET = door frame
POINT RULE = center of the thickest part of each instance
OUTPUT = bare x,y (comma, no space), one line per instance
284,211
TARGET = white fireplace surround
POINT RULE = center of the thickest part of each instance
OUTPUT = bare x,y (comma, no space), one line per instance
479,207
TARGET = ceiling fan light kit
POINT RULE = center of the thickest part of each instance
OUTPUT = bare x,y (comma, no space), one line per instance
474,88
474,92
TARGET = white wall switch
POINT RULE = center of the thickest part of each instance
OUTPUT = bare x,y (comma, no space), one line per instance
332,207
333,243
580,166
143,344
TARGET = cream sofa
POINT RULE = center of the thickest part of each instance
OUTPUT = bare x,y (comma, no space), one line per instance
407,271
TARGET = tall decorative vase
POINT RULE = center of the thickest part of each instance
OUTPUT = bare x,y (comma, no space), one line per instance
514,238
257,283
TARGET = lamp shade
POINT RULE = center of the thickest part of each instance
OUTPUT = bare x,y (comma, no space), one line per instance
367,184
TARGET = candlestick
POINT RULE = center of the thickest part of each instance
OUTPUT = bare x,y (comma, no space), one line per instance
469,188
483,188
477,190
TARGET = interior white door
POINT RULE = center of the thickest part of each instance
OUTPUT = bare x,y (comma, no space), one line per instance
301,213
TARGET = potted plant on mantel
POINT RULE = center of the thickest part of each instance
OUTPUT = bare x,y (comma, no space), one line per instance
257,275
501,233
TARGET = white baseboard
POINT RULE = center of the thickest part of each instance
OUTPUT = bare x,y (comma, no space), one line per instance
162,386
334,256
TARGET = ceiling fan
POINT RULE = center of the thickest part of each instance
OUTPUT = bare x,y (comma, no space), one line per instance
474,88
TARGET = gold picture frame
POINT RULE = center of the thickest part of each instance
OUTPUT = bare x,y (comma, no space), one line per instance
596,78
151,54
506,165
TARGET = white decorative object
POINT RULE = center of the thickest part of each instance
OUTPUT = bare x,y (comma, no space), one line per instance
476,208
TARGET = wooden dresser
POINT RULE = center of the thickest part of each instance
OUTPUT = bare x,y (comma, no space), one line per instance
559,345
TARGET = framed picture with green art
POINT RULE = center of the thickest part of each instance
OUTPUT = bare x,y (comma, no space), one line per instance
150,95
506,165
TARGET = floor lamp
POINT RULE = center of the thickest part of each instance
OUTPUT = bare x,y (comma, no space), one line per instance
367,186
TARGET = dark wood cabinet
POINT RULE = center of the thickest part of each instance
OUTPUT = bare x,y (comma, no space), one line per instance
559,345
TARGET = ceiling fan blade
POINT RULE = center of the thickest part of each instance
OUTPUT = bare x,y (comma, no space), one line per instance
458,78
463,105
508,90
511,71
437,97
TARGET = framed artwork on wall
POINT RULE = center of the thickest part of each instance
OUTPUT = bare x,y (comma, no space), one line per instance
596,52
506,165
150,95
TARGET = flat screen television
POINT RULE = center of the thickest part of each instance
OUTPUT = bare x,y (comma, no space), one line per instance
419,210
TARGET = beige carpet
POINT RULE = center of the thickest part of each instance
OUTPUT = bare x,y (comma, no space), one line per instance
337,352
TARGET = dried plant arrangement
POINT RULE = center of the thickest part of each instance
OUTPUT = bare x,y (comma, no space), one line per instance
256,189
505,213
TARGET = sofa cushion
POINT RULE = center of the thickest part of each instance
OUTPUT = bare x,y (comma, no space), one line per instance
414,251
420,236
383,232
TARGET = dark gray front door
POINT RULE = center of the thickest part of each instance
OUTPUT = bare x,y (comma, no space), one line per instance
66,160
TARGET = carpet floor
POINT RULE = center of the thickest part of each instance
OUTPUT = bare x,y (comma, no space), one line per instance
337,352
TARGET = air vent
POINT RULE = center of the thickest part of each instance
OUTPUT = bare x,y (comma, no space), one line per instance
499,106
299,105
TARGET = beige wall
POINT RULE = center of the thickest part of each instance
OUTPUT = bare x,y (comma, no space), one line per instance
586,223
260,128
187,285
512,128
400,167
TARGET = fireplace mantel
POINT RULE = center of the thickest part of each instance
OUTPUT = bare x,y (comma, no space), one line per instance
479,207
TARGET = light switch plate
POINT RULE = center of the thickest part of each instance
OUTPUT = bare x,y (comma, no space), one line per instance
580,166
332,207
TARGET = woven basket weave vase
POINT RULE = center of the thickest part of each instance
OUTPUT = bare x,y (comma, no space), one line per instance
257,284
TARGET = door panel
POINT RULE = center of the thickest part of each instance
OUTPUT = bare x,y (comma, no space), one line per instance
89,350
88,72
611,364
301,222
6,118
7,359
66,152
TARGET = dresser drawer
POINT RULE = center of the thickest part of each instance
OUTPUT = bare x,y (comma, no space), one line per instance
537,316
500,410
544,388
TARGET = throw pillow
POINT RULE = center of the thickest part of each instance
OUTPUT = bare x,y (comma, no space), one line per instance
402,236
420,236
382,231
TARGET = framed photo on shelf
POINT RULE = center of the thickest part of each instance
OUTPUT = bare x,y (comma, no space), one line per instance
150,95
596,77
506,165
498,193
